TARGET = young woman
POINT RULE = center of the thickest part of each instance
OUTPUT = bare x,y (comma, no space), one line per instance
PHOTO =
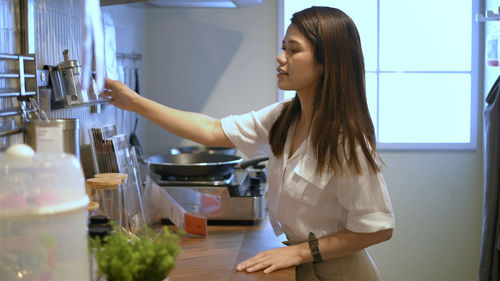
326,192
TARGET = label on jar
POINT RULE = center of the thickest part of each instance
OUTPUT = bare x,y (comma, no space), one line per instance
49,139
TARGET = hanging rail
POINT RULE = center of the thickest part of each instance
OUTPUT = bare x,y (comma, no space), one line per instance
132,56
490,16
15,57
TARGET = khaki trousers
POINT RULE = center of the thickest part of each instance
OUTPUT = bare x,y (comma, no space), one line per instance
356,267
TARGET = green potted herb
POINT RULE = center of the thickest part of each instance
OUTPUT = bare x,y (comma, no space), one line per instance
145,257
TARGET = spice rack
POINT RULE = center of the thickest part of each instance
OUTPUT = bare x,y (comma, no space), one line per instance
17,100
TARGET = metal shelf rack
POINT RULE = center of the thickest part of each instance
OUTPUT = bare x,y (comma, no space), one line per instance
16,101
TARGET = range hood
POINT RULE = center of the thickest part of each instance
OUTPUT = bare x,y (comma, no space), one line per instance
184,3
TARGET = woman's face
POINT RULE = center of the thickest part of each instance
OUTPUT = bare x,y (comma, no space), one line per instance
297,70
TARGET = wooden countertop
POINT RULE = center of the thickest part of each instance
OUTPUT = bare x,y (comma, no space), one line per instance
215,257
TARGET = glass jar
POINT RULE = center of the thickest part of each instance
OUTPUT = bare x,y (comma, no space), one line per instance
125,205
108,193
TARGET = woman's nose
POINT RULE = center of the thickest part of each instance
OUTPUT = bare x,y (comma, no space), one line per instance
281,58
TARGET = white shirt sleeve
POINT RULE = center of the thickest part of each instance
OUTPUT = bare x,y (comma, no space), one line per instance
250,132
365,197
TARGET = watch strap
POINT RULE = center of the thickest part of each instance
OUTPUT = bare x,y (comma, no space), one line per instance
314,245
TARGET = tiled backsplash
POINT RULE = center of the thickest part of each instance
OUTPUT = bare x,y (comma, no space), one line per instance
10,43
57,27
9,26
10,39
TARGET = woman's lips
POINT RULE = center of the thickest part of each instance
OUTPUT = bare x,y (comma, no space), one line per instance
281,72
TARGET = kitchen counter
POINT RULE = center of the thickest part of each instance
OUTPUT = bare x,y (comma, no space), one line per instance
215,257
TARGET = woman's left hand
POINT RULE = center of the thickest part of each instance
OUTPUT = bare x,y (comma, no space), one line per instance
272,260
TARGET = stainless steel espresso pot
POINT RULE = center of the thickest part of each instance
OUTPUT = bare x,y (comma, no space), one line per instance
69,72
67,83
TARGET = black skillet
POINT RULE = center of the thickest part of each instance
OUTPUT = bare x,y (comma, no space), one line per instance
199,164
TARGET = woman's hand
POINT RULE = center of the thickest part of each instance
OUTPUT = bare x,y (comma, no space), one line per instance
121,95
342,243
274,259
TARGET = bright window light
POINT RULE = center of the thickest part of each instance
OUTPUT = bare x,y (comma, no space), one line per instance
419,74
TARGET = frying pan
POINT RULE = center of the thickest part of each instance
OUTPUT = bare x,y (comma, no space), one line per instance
199,164
197,149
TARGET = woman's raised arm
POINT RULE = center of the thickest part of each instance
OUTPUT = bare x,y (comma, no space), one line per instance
197,127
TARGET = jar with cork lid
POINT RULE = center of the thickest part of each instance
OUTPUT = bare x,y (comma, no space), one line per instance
123,177
107,192
133,214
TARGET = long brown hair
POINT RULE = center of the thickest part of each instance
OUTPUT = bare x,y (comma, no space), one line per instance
340,117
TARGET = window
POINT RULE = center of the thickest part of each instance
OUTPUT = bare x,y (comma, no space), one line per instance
420,74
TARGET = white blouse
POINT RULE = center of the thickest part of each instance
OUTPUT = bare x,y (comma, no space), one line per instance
300,200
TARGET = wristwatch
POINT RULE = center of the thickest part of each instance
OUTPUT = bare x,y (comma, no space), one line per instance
313,244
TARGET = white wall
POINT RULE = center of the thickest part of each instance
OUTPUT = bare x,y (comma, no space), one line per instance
437,202
214,61
222,61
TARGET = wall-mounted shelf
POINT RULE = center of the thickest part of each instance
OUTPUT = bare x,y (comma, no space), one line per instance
490,16
16,76
24,71
8,93
17,96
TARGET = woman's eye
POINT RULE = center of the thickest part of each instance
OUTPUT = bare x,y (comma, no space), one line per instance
290,50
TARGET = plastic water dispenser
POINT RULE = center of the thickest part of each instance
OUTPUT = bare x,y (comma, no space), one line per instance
43,216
